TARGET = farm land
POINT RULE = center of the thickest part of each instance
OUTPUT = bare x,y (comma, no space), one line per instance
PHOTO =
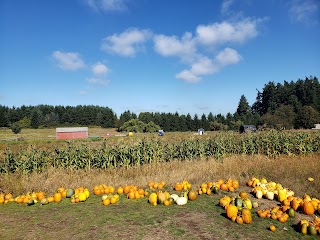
39,163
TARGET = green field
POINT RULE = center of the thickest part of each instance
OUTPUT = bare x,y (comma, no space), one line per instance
138,219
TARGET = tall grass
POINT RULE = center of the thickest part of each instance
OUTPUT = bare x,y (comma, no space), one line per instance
291,172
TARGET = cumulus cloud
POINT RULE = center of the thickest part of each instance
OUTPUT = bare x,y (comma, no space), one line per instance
107,5
99,71
194,51
127,43
206,66
305,11
227,32
173,46
68,61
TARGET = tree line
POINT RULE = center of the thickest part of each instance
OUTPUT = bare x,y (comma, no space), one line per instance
288,105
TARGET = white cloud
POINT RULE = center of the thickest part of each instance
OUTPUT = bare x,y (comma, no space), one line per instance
107,5
305,11
68,61
99,69
227,56
225,8
227,32
173,46
206,66
126,43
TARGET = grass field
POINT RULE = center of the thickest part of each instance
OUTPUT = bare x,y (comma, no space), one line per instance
138,219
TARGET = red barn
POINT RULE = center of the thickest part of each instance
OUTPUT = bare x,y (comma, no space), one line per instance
71,133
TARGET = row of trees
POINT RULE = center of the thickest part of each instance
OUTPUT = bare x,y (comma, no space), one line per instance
288,105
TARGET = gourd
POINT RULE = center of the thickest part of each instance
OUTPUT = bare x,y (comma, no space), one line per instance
153,198
30,202
231,211
238,201
192,195
181,201
308,208
247,203
259,194
44,201
174,196
57,197
70,192
224,201
270,195
282,195
161,197
246,215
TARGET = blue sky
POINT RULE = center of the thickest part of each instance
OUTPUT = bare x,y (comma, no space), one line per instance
187,56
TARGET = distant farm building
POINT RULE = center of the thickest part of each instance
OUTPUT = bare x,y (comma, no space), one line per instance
71,133
248,128
200,131
316,126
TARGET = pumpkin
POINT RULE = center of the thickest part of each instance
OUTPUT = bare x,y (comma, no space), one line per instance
44,201
246,215
174,196
224,187
70,192
192,195
282,195
243,194
224,201
308,208
231,211
181,201
161,197
247,203
57,197
215,189
259,194
238,201
153,199
82,197
178,186
270,195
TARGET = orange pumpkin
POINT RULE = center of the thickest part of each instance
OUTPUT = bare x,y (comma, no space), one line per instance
224,187
178,187
246,215
57,197
231,211
308,208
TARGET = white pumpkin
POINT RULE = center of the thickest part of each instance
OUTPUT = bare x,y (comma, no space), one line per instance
174,196
181,201
259,194
270,195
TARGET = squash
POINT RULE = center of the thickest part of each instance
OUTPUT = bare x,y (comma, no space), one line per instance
181,201
57,197
246,215
161,197
238,202
291,212
231,211
174,196
308,208
270,195
304,228
215,189
259,194
82,197
153,199
192,195
247,203
44,201
224,201
312,230
282,195
30,202
70,192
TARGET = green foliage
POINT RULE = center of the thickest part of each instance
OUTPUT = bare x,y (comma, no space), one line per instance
25,122
143,151
15,128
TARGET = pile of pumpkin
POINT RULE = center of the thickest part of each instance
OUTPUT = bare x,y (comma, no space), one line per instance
289,204
238,209
76,195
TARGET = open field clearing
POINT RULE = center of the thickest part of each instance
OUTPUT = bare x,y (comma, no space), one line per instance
203,218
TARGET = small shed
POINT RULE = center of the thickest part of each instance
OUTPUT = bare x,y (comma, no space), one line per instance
247,128
71,133
200,131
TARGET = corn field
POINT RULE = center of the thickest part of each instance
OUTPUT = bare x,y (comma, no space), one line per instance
138,151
